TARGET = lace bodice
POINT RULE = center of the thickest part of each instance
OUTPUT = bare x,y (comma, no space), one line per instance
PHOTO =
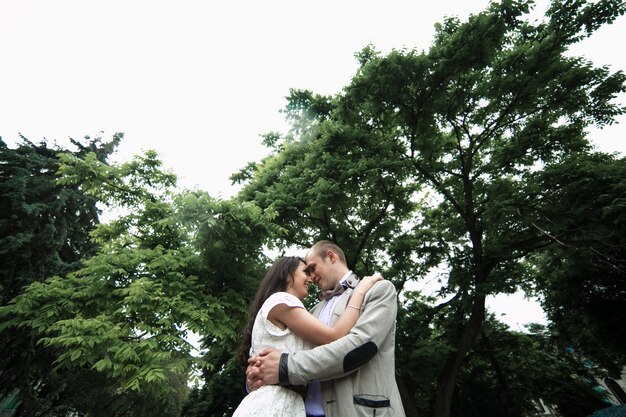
266,334
272,400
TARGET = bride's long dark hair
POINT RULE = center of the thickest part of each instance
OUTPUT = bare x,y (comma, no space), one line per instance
277,278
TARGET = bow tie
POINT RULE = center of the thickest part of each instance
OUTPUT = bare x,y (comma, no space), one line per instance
328,294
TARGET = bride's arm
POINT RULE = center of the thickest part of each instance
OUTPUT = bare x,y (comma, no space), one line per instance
307,326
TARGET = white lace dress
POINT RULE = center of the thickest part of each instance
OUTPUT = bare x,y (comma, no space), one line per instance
273,400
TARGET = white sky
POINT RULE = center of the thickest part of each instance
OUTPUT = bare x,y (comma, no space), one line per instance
199,81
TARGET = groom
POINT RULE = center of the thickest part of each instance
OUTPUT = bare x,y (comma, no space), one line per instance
357,371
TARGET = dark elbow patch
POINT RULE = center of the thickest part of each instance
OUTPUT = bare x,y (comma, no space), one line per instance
359,356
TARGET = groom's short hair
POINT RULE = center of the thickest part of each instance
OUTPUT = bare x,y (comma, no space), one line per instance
323,246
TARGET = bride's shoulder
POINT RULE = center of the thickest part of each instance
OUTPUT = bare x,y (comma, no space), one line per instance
282,297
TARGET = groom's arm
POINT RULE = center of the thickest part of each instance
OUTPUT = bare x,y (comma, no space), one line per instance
345,355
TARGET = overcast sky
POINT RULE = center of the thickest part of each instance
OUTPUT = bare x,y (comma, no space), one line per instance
199,81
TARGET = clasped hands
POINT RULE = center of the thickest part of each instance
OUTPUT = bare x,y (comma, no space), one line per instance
263,369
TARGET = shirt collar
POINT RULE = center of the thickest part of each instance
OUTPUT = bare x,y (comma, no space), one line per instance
349,280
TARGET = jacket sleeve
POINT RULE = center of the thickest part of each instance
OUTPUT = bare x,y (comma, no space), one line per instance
344,355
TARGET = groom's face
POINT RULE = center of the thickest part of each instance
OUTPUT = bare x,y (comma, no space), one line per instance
321,270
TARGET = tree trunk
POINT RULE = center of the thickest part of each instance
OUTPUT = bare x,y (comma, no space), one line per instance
503,386
447,378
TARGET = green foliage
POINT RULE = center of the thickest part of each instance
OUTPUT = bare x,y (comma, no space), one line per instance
582,283
90,393
425,162
44,231
169,268
337,182
229,238
44,227
132,184
469,160
420,349
508,372
493,99
125,317
222,391
127,312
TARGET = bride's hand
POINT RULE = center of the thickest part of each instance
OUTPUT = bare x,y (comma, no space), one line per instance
369,281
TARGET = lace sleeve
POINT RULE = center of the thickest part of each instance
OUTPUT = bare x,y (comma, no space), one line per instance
280,298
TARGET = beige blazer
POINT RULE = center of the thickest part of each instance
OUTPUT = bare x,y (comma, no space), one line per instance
358,370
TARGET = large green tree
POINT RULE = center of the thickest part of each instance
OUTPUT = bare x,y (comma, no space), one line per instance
229,240
125,314
44,231
493,99
44,225
458,128
326,180
507,374
171,267
582,211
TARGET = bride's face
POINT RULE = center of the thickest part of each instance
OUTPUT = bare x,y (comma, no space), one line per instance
301,282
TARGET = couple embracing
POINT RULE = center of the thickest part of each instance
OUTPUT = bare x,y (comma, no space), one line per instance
337,360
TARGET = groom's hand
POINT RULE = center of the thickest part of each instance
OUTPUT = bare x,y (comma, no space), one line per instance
263,369
252,373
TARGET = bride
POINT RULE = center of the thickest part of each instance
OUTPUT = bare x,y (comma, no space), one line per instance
279,320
